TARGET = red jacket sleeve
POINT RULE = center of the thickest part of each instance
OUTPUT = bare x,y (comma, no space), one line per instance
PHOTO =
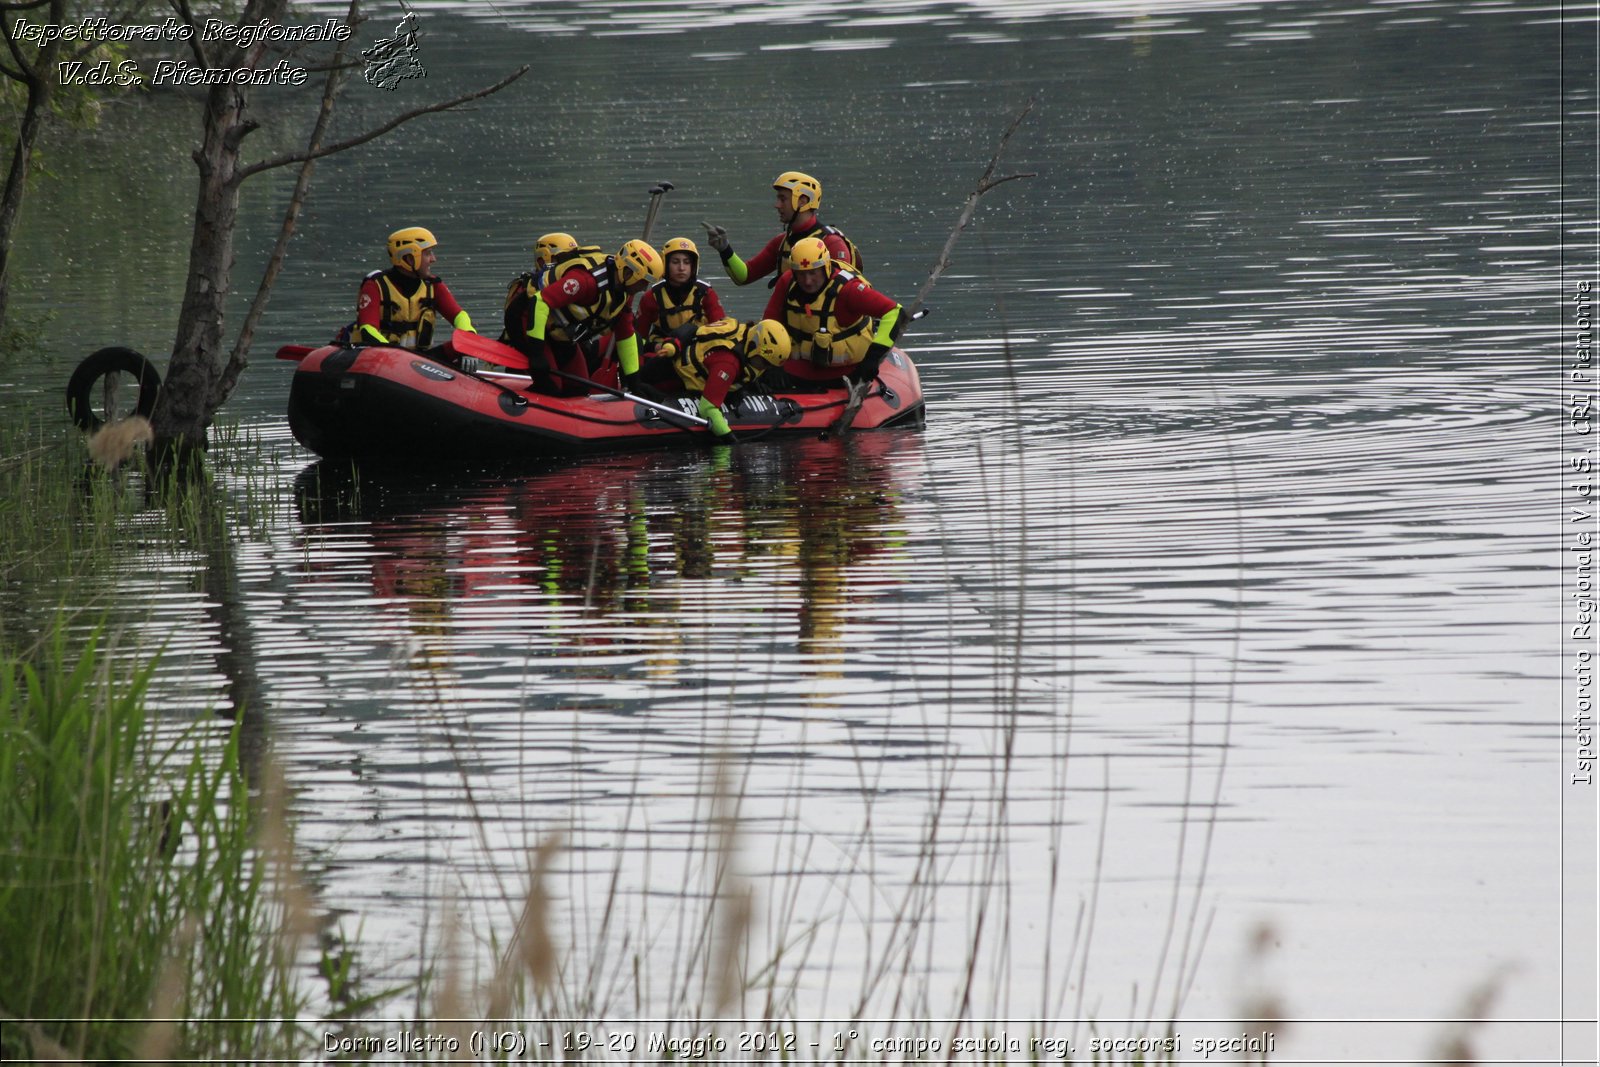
369,305
714,310
779,293
446,301
763,262
722,368
574,287
648,309
858,298
622,326
839,249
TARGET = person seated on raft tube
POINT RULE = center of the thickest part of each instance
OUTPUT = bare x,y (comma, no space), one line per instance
589,295
798,197
525,285
716,360
398,306
682,301
839,325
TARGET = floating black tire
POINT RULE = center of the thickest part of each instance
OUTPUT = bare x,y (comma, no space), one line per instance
80,388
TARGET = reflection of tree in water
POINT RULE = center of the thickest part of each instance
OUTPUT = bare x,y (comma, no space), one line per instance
607,536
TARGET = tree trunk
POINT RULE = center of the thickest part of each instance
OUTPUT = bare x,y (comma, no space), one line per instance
40,80
194,388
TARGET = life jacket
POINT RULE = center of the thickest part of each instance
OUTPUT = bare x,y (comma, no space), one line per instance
407,321
675,312
587,256
573,323
528,283
690,360
806,315
518,293
819,230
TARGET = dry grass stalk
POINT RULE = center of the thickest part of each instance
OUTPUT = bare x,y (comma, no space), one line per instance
276,840
159,1042
452,1009
532,947
114,443
1455,1046
732,900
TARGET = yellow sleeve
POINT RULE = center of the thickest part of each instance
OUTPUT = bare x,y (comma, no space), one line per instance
886,328
541,317
628,355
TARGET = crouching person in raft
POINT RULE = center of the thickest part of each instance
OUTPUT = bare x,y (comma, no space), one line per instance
562,327
398,306
839,326
716,361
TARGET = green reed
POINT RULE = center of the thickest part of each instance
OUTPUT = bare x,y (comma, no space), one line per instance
140,913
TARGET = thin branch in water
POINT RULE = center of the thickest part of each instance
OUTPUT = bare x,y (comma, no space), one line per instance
985,183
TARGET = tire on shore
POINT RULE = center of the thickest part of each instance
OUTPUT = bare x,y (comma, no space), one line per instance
98,365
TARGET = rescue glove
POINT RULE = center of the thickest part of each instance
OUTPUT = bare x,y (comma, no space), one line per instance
867,369
716,237
716,421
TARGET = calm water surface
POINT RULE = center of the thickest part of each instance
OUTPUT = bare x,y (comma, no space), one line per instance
1218,600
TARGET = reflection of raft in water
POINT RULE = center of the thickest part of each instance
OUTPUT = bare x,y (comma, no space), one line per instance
394,403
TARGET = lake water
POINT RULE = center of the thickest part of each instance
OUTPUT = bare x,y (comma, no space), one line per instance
1205,658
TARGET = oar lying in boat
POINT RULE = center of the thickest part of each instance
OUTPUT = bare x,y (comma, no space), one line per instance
503,355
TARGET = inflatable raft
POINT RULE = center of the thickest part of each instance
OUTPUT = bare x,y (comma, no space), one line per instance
396,403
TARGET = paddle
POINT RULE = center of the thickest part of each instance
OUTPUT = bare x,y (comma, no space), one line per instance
504,355
657,191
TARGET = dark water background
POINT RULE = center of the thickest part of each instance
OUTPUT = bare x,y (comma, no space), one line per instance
1220,593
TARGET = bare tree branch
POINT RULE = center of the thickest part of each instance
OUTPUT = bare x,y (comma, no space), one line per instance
184,13
121,18
238,357
324,68
24,72
307,156
985,183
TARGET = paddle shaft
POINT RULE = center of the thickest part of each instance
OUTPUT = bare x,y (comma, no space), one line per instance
505,355
677,413
657,191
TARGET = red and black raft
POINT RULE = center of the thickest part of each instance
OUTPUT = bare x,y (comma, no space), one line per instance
395,403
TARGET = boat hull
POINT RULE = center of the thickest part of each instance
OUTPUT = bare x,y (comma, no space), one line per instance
383,402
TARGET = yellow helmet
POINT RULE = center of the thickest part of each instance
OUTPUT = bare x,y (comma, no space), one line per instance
681,244
405,247
768,341
551,245
638,262
809,253
805,192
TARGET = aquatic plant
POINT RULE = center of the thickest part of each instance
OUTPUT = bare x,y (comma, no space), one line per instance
140,913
